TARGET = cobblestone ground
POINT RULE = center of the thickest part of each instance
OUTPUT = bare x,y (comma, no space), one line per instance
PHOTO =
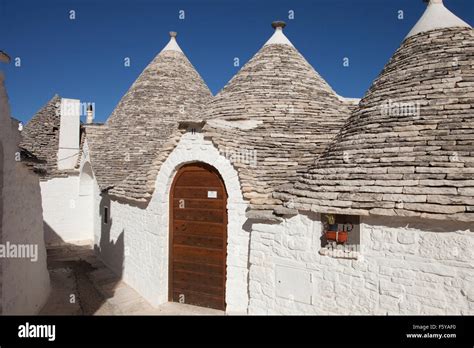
83,285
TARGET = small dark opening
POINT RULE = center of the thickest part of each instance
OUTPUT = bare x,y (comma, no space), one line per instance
106,215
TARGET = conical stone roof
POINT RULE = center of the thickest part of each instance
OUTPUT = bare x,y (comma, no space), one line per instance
409,148
40,136
40,140
272,119
167,91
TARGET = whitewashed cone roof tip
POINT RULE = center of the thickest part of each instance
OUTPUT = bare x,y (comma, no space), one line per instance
172,44
278,37
437,16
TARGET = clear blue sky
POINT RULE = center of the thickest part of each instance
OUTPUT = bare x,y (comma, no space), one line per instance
83,58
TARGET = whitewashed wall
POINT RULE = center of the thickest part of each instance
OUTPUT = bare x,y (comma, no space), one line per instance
25,284
68,216
408,266
142,232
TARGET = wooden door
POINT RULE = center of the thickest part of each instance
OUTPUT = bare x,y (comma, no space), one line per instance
198,237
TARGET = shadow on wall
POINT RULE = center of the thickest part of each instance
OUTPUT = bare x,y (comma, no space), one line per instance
110,252
76,270
51,237
435,226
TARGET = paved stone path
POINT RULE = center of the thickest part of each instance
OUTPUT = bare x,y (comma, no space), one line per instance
83,285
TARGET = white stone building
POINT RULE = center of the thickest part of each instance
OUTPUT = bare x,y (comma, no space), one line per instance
277,196
24,279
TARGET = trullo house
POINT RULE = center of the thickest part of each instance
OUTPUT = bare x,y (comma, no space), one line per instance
277,195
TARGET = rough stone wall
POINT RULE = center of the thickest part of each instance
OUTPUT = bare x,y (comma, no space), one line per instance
25,284
408,266
135,242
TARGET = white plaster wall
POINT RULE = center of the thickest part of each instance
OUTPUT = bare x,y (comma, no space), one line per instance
67,216
96,214
89,196
145,230
70,205
68,150
25,284
408,266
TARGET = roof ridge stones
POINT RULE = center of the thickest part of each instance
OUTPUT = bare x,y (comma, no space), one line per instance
408,149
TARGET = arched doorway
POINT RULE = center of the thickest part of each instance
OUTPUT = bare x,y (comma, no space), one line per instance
86,181
198,237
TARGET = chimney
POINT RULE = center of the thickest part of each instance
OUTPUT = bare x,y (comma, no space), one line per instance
68,151
90,114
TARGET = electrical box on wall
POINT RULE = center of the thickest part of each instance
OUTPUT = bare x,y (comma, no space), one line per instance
293,284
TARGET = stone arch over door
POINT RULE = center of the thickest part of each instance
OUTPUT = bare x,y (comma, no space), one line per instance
193,148
86,181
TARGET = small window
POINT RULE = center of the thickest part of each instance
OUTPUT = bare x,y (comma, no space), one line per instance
106,215
340,236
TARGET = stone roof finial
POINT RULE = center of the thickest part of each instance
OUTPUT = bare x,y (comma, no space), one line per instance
172,44
278,24
278,37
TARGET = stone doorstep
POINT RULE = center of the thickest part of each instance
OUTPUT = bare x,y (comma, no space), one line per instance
102,276
68,254
64,258
87,243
